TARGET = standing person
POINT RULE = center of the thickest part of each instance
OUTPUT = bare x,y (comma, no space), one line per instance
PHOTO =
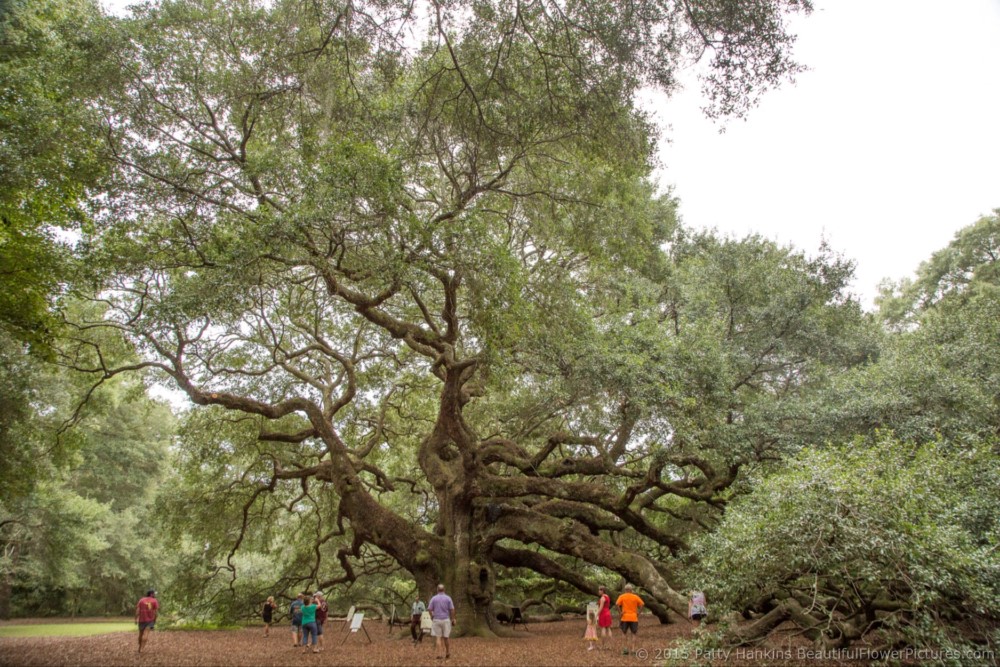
322,611
442,610
267,613
416,611
629,603
145,615
295,611
604,616
309,624
591,634
697,608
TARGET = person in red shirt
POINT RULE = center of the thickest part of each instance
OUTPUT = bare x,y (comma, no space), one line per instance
321,615
145,615
630,604
604,616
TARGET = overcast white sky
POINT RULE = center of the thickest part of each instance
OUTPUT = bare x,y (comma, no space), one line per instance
888,146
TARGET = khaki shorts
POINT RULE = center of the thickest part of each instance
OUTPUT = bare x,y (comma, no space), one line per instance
441,628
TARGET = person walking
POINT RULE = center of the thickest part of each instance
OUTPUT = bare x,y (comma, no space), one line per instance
630,604
145,616
267,614
442,609
604,617
295,611
697,608
416,612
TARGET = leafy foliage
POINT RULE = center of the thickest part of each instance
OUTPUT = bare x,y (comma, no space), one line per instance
889,538
75,520
965,269
49,153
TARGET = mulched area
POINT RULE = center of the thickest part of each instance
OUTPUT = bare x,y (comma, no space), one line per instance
559,644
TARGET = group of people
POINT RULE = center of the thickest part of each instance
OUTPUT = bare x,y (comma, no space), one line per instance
442,611
599,621
308,614
630,604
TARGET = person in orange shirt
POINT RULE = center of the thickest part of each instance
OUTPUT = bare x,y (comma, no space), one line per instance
630,604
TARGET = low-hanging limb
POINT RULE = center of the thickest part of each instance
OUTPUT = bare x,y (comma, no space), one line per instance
564,536
548,567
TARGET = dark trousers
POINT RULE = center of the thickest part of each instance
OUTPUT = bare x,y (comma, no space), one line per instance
415,632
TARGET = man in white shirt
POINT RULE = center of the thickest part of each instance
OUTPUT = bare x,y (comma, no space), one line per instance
416,611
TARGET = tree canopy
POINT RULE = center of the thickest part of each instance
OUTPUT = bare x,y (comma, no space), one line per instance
429,271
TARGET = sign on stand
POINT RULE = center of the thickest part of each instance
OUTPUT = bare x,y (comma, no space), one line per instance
348,618
356,624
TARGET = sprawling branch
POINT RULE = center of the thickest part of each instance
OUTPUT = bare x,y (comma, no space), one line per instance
563,536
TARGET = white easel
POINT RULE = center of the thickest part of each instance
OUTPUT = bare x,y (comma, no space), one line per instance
348,618
356,622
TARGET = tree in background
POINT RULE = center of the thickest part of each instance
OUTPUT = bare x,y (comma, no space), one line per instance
78,534
427,283
893,543
939,363
951,278
889,534
49,141
75,480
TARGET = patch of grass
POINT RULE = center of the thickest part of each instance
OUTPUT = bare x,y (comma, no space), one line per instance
64,629
200,625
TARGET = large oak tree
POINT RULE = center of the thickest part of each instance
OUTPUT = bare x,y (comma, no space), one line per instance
383,244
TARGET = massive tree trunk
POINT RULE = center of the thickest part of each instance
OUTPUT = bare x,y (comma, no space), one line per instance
448,459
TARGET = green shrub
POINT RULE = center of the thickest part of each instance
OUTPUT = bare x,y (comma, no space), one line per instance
894,538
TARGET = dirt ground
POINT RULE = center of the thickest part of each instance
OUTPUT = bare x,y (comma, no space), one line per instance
558,644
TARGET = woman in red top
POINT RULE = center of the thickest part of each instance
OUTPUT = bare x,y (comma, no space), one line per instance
604,616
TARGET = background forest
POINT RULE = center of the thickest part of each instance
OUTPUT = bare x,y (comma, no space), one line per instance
433,321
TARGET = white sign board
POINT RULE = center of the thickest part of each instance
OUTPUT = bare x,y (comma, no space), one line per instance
356,621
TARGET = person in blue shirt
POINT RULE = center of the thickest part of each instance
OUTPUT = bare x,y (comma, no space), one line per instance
295,611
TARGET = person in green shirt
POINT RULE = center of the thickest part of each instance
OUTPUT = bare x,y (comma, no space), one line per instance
309,624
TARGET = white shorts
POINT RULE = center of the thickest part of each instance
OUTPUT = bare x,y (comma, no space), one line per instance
441,628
